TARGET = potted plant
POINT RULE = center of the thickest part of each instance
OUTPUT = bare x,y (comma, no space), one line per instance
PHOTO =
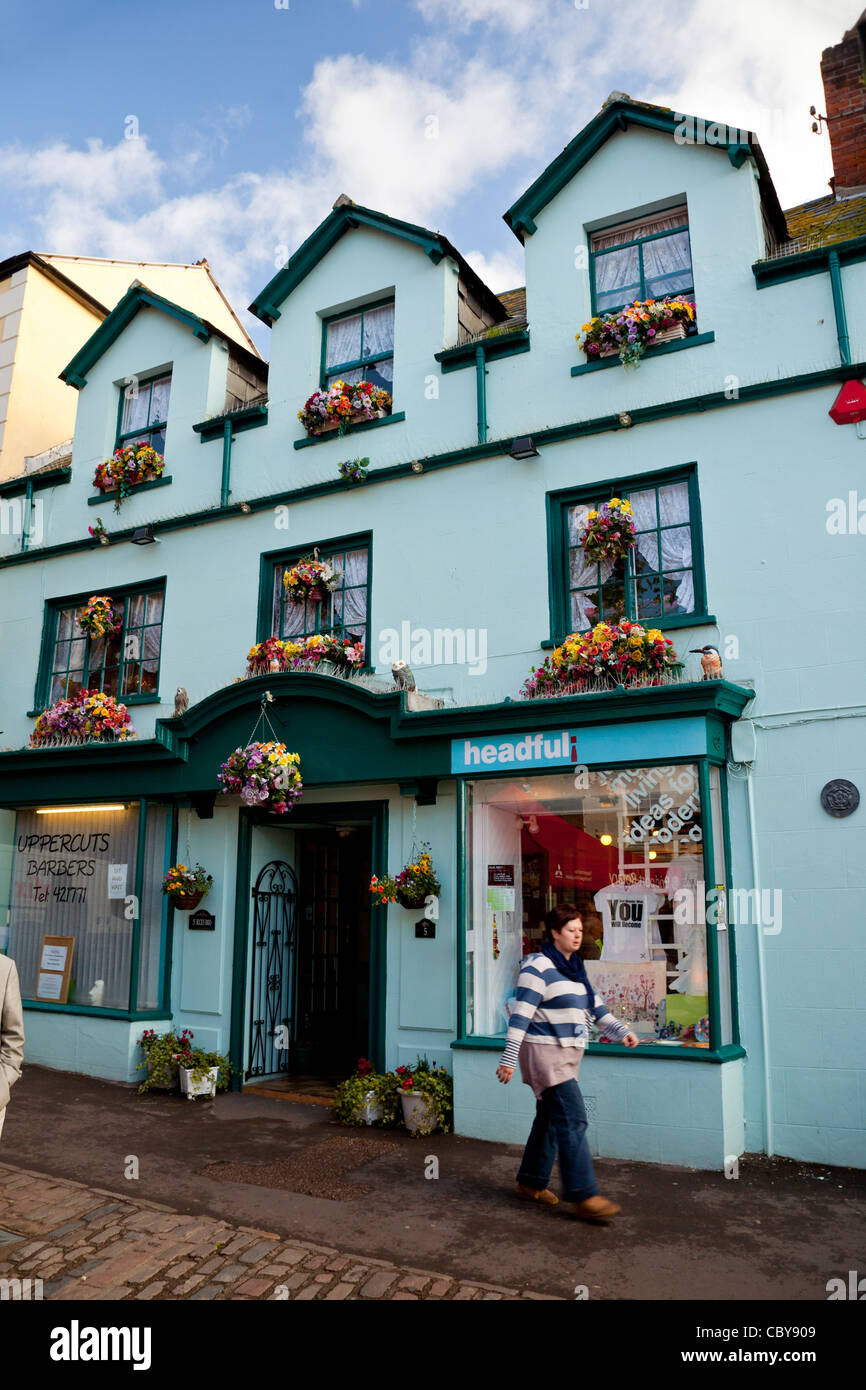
342,404
624,653
128,466
427,1097
203,1073
99,617
411,886
163,1053
368,1097
344,652
609,533
269,656
186,887
88,717
629,331
266,775
98,532
310,580
354,470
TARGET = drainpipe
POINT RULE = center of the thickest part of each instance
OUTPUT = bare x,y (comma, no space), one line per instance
481,393
762,982
839,308
227,463
25,520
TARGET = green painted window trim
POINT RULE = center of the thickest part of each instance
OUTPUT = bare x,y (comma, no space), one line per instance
140,1015
557,544
497,345
359,362
729,1053
160,428
51,613
101,499
678,344
639,242
354,428
290,555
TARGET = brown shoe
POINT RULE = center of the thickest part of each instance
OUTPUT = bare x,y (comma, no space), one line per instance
533,1194
595,1209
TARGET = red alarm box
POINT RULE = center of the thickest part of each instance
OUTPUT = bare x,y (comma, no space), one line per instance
850,404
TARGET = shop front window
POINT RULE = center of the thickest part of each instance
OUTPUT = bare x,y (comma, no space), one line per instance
73,878
626,847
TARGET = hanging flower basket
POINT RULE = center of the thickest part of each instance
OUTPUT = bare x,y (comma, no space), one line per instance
411,886
186,887
265,775
630,331
88,717
133,464
611,654
342,404
99,617
609,532
310,580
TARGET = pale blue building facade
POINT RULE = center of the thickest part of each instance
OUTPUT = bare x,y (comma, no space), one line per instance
458,555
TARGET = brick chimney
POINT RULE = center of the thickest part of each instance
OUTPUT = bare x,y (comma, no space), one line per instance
843,72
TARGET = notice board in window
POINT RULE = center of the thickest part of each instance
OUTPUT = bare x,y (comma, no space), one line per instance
55,966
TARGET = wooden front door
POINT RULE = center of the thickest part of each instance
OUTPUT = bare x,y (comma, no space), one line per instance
333,935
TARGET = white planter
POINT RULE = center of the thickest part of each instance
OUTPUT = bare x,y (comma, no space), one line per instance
206,1087
370,1110
417,1112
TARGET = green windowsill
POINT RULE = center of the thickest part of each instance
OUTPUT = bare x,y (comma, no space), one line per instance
141,1015
696,340
102,498
125,700
351,429
683,620
729,1053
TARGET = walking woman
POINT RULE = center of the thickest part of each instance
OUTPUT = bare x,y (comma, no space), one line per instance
547,1034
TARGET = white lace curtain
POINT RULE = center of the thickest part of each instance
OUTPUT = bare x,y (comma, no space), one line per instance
676,535
346,343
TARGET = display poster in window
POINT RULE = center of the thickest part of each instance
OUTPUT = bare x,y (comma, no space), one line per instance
500,887
632,991
55,967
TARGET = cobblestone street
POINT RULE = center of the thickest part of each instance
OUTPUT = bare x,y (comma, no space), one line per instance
85,1244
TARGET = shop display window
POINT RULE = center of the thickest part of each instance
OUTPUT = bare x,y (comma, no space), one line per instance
626,847
72,875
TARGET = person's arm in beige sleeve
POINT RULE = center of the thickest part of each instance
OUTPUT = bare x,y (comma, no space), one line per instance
11,1029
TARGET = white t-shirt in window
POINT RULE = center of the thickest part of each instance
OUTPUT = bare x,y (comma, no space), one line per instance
626,913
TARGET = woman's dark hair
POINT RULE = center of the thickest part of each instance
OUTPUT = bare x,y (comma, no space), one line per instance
557,918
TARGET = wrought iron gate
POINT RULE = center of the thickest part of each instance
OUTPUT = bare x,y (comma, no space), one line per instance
274,969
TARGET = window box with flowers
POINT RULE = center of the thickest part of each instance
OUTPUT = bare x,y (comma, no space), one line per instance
321,650
129,466
88,717
610,655
629,332
336,407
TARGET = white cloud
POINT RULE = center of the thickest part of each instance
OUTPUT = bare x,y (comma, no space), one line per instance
499,271
514,15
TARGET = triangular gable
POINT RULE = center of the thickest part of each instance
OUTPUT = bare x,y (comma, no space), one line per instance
137,297
617,115
345,216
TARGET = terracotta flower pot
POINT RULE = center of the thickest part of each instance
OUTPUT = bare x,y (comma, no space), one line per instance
185,902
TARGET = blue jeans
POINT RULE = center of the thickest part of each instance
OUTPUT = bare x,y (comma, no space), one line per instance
560,1123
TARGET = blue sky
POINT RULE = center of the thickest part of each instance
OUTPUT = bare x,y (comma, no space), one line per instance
248,119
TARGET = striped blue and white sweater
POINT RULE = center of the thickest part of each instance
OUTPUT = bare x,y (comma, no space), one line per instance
551,1008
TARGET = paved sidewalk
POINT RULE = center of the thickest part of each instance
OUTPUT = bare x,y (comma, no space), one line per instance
85,1244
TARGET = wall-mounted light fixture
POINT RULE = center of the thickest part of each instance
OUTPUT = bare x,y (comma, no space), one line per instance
143,535
75,810
523,448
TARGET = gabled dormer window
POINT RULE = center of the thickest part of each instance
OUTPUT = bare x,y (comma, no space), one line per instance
360,346
143,412
645,259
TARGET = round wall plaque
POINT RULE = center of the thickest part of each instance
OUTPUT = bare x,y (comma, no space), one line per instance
840,798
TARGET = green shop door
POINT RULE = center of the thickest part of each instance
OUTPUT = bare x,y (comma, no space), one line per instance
333,936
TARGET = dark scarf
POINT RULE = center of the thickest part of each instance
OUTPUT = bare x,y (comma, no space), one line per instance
572,968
